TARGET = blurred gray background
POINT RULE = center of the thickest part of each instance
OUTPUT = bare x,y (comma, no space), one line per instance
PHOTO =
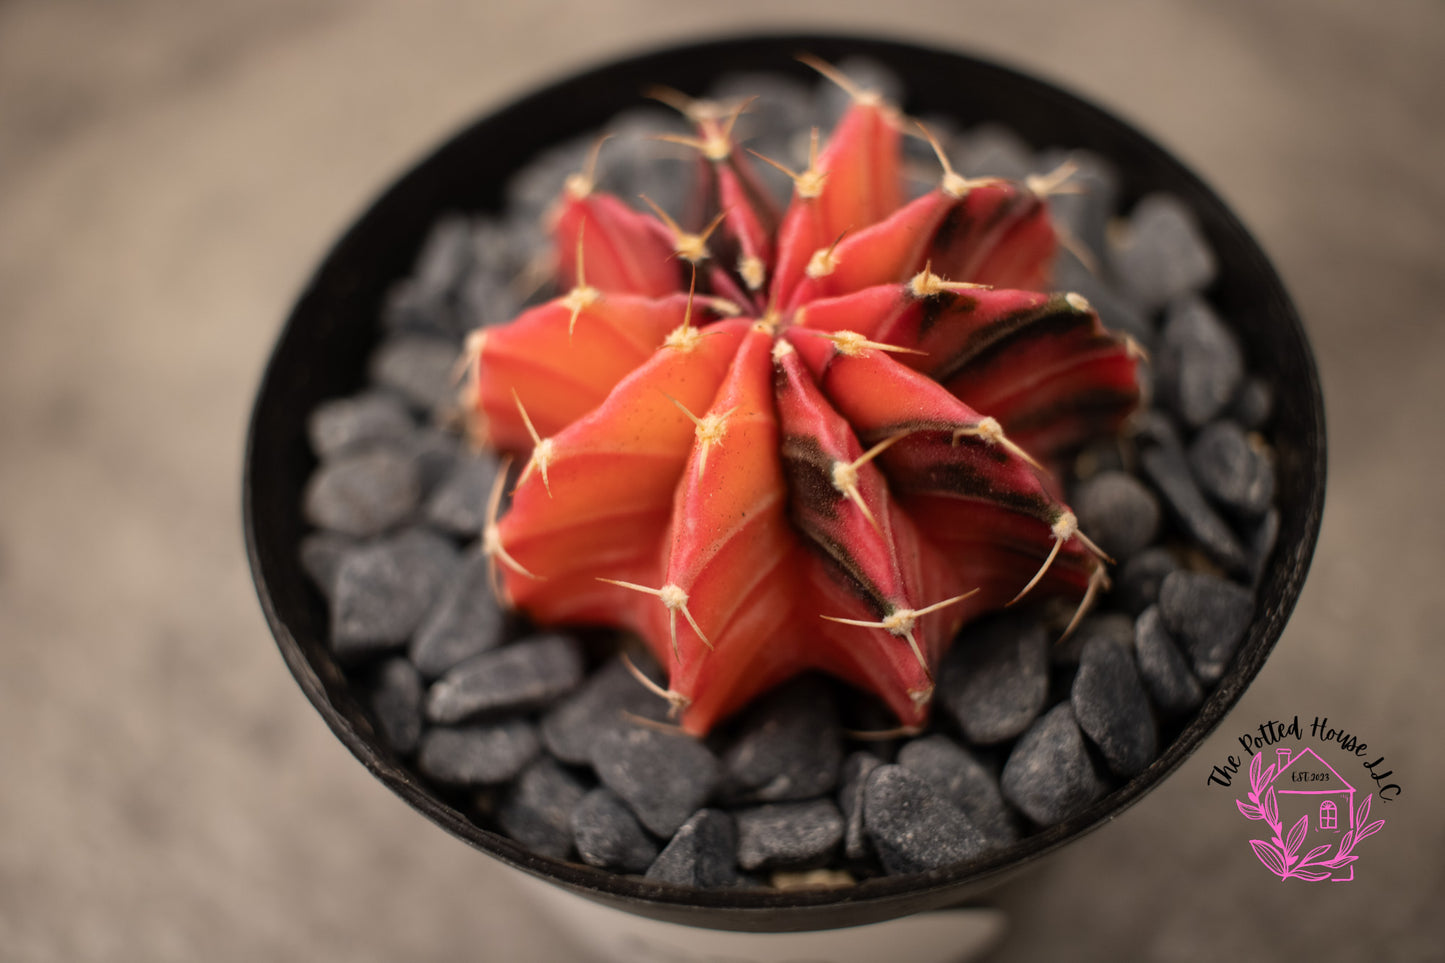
171,172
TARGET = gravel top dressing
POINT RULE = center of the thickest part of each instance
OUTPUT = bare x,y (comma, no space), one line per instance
554,739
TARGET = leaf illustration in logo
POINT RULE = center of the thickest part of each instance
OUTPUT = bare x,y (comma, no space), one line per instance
1370,830
1315,853
1296,836
1271,807
1250,812
1267,854
1312,875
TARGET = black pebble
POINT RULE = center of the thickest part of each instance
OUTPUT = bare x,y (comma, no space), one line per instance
702,853
602,703
789,745
1231,470
1112,627
1208,615
363,493
1164,254
1166,675
396,698
790,835
1253,404
1200,365
995,679
459,503
1048,776
963,781
321,557
913,826
664,777
384,589
465,621
1139,579
1112,708
1167,468
608,836
524,675
1118,512
418,368
478,755
346,424
850,802
537,809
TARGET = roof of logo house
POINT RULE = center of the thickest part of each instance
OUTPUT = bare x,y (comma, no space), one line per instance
1287,761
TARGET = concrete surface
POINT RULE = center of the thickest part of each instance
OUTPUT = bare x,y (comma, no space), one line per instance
169,174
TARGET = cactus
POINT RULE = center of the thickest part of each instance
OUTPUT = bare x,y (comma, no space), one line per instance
821,437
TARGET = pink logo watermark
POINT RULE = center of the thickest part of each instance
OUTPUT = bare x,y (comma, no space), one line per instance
1315,817
1329,819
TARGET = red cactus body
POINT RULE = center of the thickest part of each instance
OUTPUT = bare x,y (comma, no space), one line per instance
796,440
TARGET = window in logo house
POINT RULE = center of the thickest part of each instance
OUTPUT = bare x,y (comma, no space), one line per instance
1327,815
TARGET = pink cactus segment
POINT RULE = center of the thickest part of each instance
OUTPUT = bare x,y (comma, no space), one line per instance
1042,365
594,499
731,550
562,358
976,242
624,250
856,182
873,553
992,513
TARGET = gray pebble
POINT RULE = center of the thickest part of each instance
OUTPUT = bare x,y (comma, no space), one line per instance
1112,708
1199,363
465,621
459,503
436,454
478,755
363,493
664,777
602,703
1048,776
1262,542
994,680
410,308
789,745
1208,615
702,853
1137,586
790,835
608,836
347,424
521,676
321,556
1166,467
964,782
385,588
445,257
1118,512
1231,470
537,809
1253,404
1163,254
1172,687
419,368
913,826
993,150
1112,627
396,696
850,802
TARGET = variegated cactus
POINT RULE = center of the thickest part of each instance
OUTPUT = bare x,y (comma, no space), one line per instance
797,439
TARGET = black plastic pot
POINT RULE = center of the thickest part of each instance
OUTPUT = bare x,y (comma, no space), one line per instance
324,346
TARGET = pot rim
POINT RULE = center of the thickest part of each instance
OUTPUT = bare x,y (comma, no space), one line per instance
336,294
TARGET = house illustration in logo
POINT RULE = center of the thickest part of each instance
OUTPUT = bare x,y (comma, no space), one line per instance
1306,785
